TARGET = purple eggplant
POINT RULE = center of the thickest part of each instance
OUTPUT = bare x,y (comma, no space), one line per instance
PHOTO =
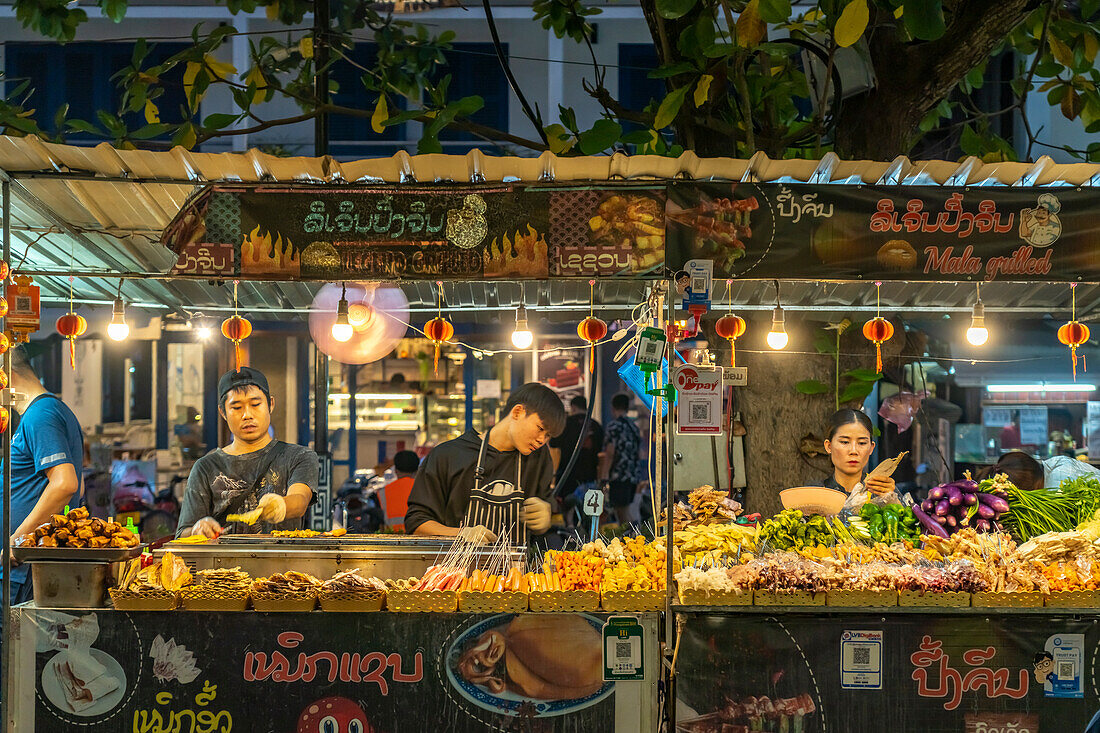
939,519
967,487
953,495
951,521
969,499
983,525
986,512
928,505
996,503
943,507
936,494
928,524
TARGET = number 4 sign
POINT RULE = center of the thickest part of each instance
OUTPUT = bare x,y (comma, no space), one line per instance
593,503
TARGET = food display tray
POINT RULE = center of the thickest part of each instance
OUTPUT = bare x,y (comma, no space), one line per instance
862,598
422,601
694,597
283,602
915,598
633,600
565,600
1073,599
75,554
161,600
197,598
788,598
990,599
478,601
353,601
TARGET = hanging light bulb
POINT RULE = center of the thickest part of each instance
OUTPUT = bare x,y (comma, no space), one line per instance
777,337
203,331
118,329
977,334
342,330
522,338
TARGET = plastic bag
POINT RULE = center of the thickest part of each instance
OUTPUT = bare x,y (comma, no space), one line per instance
860,496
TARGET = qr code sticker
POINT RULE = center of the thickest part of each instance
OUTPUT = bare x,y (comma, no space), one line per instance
861,655
622,650
700,412
649,348
1066,670
698,284
22,304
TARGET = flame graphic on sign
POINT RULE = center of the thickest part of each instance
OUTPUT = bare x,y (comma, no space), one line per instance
259,252
516,255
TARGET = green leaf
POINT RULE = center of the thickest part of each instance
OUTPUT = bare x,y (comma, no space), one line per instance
601,137
863,375
83,126
673,9
150,131
638,137
811,386
219,121
702,89
750,26
381,112
429,144
857,390
467,106
670,107
1071,105
775,11
970,142
665,72
560,139
852,23
924,19
114,9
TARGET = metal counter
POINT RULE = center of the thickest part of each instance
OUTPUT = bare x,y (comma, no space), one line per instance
384,556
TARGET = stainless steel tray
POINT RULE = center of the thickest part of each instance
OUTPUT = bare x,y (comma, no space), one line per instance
348,540
75,554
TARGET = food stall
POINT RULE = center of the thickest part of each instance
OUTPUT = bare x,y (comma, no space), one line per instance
969,631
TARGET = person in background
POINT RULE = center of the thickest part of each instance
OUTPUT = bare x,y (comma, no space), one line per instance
583,475
47,453
395,494
1030,474
480,487
619,466
253,472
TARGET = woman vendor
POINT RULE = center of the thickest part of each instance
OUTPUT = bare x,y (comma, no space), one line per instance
849,446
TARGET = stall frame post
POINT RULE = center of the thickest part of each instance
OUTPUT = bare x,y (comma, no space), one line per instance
5,450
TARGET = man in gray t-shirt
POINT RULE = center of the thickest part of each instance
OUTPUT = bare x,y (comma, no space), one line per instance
253,472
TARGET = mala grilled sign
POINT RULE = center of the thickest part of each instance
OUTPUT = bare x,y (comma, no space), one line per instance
748,230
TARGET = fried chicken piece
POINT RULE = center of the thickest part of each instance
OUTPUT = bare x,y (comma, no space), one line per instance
47,541
42,530
26,540
78,514
80,523
76,541
98,525
84,533
112,528
62,536
117,541
57,521
98,542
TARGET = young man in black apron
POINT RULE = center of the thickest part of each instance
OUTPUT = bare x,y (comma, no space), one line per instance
255,471
481,487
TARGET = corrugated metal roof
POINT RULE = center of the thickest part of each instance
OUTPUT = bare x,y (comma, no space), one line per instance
98,209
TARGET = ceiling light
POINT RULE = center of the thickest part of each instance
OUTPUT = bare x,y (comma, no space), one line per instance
1041,387
342,330
522,338
777,337
977,334
118,329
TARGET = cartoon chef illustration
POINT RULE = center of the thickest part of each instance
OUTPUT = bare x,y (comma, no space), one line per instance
1041,227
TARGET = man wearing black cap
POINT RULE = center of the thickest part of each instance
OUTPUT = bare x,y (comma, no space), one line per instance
253,472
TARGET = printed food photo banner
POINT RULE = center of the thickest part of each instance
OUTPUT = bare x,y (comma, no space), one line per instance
748,230
320,673
920,673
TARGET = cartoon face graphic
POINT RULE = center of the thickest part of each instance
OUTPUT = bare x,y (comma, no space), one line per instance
1040,226
1044,667
334,715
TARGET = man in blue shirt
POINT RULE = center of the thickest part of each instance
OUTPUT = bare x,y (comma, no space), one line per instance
47,454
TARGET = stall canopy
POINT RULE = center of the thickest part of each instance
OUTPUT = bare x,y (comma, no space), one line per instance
98,211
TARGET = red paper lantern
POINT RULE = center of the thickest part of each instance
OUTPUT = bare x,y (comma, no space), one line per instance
5,343
1073,334
439,331
878,330
592,329
72,325
237,329
3,307
5,418
3,381
731,328
5,270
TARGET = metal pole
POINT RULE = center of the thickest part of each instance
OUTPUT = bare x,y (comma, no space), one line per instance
320,401
5,448
321,12
670,500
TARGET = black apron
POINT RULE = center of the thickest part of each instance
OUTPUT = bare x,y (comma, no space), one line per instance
496,505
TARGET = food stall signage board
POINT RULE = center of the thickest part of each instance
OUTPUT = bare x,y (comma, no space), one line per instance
735,376
593,503
861,660
622,649
699,405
